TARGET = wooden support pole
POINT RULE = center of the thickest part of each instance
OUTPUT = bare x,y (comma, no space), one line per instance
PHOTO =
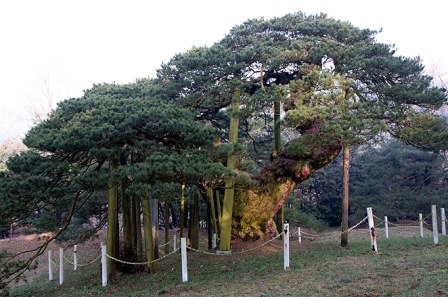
443,219
286,247
386,226
372,230
75,258
61,266
50,266
420,219
435,231
183,244
103,265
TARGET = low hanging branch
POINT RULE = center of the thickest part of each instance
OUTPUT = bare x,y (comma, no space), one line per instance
17,273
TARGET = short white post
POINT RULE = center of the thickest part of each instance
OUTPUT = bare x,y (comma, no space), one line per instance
103,265
61,266
183,248
286,247
214,240
299,235
435,231
386,226
50,266
75,257
420,219
174,243
372,230
443,219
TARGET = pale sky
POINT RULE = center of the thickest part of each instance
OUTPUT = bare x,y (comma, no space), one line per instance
75,44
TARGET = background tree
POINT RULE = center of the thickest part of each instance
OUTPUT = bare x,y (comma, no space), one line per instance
394,179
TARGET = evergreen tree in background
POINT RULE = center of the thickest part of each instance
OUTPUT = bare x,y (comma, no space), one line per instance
396,180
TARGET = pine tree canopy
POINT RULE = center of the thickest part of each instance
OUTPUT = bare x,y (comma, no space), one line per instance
331,76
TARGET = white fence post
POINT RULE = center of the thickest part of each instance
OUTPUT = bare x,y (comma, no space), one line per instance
443,219
299,235
420,219
50,266
386,226
286,246
174,243
103,265
372,230
214,240
183,248
61,266
435,231
75,257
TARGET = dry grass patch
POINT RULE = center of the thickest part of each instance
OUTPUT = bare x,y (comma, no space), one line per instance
405,266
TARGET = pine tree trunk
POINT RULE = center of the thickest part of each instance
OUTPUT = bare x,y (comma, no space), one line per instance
137,226
154,203
194,222
219,210
167,224
212,210
277,146
126,210
182,211
147,226
112,222
227,209
209,224
255,208
174,222
345,195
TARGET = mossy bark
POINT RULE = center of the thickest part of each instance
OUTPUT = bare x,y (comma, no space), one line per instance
255,208
229,192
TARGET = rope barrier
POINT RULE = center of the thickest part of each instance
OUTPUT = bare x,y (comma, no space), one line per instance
438,217
403,225
166,243
68,260
84,264
236,253
141,263
334,235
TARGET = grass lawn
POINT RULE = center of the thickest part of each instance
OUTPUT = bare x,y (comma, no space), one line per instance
405,266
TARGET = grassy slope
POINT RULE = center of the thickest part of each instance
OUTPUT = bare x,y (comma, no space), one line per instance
405,266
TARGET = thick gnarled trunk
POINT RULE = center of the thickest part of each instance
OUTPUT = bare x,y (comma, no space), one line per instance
255,208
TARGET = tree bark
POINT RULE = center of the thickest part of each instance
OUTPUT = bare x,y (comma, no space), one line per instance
155,226
137,226
345,195
167,224
194,222
255,208
212,210
112,222
277,146
126,210
227,209
147,225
